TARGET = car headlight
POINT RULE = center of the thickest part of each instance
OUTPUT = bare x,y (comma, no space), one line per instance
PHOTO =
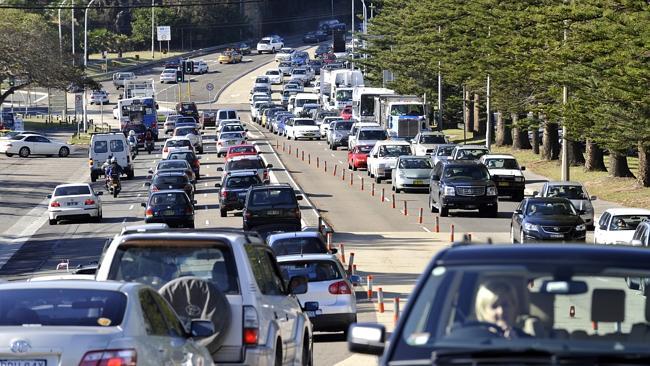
491,191
530,227
448,191
402,175
519,179
581,227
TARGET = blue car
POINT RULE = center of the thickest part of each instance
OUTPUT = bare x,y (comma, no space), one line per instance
299,58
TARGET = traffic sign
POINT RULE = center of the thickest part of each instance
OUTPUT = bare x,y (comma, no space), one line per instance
164,33
78,103
209,87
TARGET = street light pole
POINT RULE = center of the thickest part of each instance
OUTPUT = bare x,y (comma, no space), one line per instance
488,122
439,85
153,55
73,60
85,107
352,63
566,175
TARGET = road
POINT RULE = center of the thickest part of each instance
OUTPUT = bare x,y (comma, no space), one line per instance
388,243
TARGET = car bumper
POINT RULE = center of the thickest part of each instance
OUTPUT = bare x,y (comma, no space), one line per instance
572,236
469,203
333,322
71,213
171,221
409,183
340,142
285,223
359,164
509,187
384,172
231,205
310,135
167,80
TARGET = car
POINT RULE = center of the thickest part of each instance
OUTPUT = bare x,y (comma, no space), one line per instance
275,121
105,145
325,124
172,207
187,109
207,119
320,116
229,57
315,65
81,322
507,174
442,152
339,133
189,156
227,140
618,225
99,97
200,67
299,58
576,193
243,48
272,205
298,242
258,107
74,201
302,128
468,152
166,181
310,110
357,157
186,121
525,287
174,63
553,219
175,165
275,76
269,44
170,123
31,144
279,125
382,159
286,94
346,113
268,113
241,150
176,143
314,37
465,185
233,189
255,163
411,173
293,87
285,68
262,80
301,74
425,142
262,89
329,286
256,313
370,137
321,50
168,76
120,77
226,113
232,127
284,54
192,134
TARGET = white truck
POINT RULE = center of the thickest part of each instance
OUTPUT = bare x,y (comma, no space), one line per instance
336,87
363,102
403,116
139,89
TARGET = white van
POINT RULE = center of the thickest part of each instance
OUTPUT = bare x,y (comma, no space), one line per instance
226,114
302,99
103,145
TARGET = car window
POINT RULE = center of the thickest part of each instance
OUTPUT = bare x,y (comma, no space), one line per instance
241,149
471,172
164,199
304,245
315,271
117,146
272,196
415,164
62,307
470,154
266,273
182,155
445,151
627,222
343,126
100,147
179,143
173,325
304,122
245,164
240,182
163,180
432,139
154,322
31,139
569,192
541,208
230,135
394,150
372,135
186,131
494,163
71,191
172,164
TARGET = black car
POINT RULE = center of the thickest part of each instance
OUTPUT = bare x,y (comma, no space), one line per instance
513,304
175,165
165,181
190,157
464,185
173,208
243,48
270,205
542,219
233,189
316,66
298,242
321,50
187,109
314,37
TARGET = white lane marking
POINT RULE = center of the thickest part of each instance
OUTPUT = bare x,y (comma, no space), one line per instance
425,229
205,194
207,223
333,155
386,199
139,194
340,162
234,95
131,207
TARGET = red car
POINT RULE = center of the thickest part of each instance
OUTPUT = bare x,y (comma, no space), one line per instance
357,157
241,150
346,113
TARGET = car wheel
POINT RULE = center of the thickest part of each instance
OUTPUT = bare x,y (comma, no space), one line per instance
278,354
224,213
377,180
522,239
307,351
9,154
52,221
518,197
23,152
512,235
93,177
397,190
444,211
63,152
354,167
432,206
130,174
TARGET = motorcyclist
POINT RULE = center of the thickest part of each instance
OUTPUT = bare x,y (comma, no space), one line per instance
148,135
133,141
114,169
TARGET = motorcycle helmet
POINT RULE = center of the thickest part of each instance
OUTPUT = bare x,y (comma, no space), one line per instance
113,160
131,133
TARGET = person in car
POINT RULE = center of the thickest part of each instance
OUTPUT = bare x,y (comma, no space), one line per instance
496,304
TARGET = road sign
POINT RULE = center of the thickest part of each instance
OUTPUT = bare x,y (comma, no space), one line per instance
209,87
164,33
78,103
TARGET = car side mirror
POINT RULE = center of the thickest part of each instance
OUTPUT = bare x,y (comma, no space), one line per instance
220,169
299,197
150,171
636,242
355,279
535,193
147,184
201,328
269,166
149,176
310,306
100,193
143,204
49,196
518,212
334,251
298,285
435,177
593,198
522,168
367,338
603,227
217,185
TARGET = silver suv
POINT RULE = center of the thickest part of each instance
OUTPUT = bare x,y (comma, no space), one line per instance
266,326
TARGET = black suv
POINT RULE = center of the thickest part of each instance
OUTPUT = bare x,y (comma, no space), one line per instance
465,185
272,206
552,219
188,109
233,188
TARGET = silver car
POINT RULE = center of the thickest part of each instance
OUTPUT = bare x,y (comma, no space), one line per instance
412,172
228,139
442,152
81,322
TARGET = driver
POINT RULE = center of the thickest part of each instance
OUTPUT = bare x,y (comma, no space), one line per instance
496,303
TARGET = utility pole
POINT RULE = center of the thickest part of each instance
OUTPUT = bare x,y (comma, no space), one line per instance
488,122
352,63
566,175
73,60
153,55
439,85
85,102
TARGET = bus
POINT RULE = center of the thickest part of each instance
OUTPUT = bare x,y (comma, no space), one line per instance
138,111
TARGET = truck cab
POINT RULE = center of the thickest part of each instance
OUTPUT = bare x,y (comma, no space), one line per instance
403,116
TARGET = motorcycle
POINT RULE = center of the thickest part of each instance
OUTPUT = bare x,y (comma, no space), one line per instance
149,146
113,184
134,149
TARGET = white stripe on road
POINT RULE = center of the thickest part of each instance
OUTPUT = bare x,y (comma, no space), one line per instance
131,207
207,223
425,229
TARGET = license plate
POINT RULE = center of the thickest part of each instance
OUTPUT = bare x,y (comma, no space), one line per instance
230,143
557,236
505,184
241,195
314,313
23,363
169,213
417,181
273,212
471,207
71,204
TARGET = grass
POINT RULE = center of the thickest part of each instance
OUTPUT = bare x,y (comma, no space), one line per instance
96,62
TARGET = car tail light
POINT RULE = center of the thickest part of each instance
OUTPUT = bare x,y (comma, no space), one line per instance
55,204
296,212
265,175
90,162
251,326
340,288
247,215
113,357
148,212
189,210
196,163
224,194
89,202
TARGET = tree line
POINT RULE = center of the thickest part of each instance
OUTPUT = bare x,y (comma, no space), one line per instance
599,50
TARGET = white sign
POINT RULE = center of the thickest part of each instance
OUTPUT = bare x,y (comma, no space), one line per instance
78,103
164,33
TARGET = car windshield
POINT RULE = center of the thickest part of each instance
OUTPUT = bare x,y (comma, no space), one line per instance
272,196
184,155
244,164
172,164
173,180
372,135
161,263
239,182
265,41
501,164
407,109
470,154
315,271
230,136
298,245
165,199
627,222
262,80
71,191
415,164
343,126
343,95
304,122
473,172
432,139
394,150
260,89
541,208
62,307
273,72
570,192
186,131
575,311
241,149
284,64
445,151
179,143
286,50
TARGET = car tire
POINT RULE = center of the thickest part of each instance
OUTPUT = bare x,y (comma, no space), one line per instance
433,207
512,235
201,150
93,177
9,154
307,351
53,221
23,152
224,212
354,167
377,180
278,353
397,190
522,238
64,152
444,211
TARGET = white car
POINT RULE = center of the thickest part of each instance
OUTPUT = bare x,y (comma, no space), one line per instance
269,44
225,122
326,123
192,134
275,76
617,225
200,67
99,97
284,54
233,127
116,113
300,73
302,128
228,139
168,76
329,286
175,143
506,174
293,87
352,140
31,144
170,123
424,142
74,201
382,159
262,80
82,322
